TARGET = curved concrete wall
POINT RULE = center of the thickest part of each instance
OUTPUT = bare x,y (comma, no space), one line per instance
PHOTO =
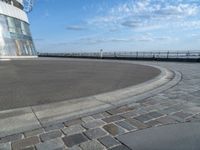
20,1
12,11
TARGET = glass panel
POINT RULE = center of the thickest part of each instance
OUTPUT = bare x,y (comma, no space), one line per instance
15,38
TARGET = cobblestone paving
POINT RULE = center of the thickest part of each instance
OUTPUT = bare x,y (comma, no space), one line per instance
99,131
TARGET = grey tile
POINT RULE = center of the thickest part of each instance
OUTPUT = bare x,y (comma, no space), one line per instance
119,110
20,144
5,146
50,135
166,120
74,148
155,114
95,133
143,118
53,144
182,115
169,110
113,129
108,141
98,116
11,138
153,123
29,148
125,125
75,139
73,122
113,118
129,114
91,145
137,124
87,119
120,147
93,124
105,114
34,132
54,127
73,129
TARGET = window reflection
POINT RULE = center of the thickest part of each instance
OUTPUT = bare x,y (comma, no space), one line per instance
15,38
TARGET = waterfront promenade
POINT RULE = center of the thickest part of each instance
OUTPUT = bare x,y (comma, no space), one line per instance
160,116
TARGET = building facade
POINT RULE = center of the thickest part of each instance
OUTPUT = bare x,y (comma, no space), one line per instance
15,35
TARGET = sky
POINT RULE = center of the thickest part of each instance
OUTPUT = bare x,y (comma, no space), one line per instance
115,25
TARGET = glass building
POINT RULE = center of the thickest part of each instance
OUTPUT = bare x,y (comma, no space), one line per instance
15,35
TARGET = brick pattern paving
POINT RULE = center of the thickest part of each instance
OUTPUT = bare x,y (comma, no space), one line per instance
99,131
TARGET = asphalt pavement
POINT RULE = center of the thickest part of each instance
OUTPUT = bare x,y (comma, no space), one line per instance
41,81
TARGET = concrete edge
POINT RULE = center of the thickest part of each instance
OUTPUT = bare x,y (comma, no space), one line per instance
45,115
63,111
17,57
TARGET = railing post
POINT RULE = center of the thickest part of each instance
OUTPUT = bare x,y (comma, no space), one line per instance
101,53
167,54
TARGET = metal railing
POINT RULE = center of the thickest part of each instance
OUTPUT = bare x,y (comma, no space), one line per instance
169,55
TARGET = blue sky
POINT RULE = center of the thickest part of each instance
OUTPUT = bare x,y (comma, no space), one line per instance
115,25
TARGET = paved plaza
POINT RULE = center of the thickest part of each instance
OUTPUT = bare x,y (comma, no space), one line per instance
166,120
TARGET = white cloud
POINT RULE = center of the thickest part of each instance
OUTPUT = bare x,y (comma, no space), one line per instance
75,27
143,13
141,38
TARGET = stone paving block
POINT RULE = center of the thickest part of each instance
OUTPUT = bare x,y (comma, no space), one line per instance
125,125
169,110
149,103
93,124
195,118
153,123
105,114
178,107
53,144
119,110
5,146
54,127
87,119
136,123
155,114
11,138
196,93
142,101
166,104
181,116
143,118
20,144
75,139
92,145
34,132
141,111
98,116
73,129
114,129
50,135
95,133
119,147
129,114
74,148
108,141
166,120
29,148
113,118
192,109
150,108
73,122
